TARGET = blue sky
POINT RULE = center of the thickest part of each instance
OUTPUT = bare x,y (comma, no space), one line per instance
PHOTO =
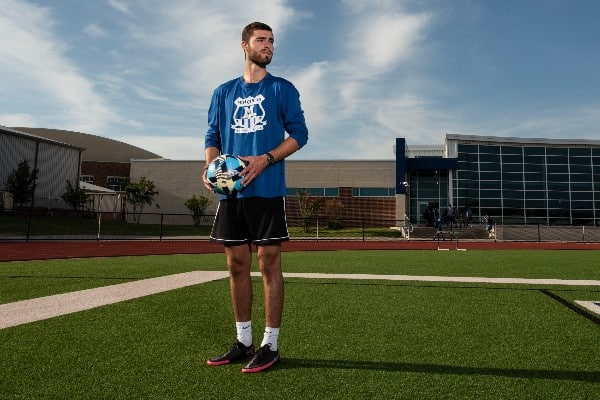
143,71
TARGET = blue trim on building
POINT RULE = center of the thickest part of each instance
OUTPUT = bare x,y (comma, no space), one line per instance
400,165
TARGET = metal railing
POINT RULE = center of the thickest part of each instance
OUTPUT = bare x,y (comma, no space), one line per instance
29,225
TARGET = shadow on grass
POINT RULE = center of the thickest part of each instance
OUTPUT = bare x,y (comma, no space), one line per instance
582,376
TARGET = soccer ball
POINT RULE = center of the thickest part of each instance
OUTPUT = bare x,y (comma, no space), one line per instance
224,174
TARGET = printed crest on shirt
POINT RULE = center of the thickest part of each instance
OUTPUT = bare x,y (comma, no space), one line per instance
249,115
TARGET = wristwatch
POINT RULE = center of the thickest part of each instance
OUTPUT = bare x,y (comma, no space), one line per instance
270,158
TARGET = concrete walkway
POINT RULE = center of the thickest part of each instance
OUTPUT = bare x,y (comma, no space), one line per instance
26,311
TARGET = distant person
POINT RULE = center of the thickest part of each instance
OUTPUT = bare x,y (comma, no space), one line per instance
468,215
490,226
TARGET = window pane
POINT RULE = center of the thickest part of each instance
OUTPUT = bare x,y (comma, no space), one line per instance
558,195
488,176
554,168
489,158
561,151
512,167
534,151
489,149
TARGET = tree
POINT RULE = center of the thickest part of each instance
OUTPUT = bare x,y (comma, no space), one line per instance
308,206
21,183
333,209
140,194
75,196
197,205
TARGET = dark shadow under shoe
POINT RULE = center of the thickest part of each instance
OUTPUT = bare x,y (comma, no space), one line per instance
237,352
265,358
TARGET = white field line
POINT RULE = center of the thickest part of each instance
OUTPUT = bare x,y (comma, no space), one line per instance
22,312
26,311
593,306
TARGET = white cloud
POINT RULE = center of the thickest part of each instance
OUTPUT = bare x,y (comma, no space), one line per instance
94,31
119,6
32,53
170,147
384,40
20,119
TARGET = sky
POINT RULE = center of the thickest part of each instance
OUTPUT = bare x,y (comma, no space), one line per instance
368,71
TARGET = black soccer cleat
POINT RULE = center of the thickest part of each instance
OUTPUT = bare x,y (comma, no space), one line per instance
265,358
237,352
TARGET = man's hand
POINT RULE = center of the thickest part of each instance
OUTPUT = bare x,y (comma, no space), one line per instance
205,180
255,165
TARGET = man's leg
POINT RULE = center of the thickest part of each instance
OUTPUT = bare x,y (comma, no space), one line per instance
269,262
239,260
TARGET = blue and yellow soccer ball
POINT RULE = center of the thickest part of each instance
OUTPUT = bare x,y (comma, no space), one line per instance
224,174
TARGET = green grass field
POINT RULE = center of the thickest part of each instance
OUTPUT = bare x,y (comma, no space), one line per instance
373,339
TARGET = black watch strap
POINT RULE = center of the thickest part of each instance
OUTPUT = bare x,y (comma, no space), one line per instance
270,158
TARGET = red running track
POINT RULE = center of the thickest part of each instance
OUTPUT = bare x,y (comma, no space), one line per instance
43,250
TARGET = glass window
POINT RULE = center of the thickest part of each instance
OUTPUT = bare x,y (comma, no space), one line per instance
557,151
581,169
489,194
513,194
489,149
489,176
534,151
513,203
512,185
117,183
587,196
512,150
535,186
558,178
512,158
535,168
489,158
531,204
579,152
535,159
558,186
467,148
512,167
489,184
558,168
564,204
584,161
535,176
87,179
512,176
376,192
490,203
332,192
558,195
557,159
582,178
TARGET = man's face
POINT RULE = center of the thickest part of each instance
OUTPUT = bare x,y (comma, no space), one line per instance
260,48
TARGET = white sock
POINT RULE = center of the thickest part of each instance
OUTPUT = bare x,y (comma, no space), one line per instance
244,332
270,337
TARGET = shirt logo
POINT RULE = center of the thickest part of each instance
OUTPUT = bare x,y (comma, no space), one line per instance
249,115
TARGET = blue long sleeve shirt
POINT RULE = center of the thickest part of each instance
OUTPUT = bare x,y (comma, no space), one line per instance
251,119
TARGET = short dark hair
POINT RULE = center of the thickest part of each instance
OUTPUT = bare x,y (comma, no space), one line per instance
254,26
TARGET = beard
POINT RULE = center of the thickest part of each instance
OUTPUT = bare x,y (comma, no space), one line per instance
260,59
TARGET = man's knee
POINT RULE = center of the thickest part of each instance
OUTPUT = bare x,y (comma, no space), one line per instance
269,259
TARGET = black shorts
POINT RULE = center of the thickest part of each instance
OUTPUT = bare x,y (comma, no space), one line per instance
257,220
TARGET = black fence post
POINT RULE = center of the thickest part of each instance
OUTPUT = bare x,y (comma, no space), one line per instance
162,216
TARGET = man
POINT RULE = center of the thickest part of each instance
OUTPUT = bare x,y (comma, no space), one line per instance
249,117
